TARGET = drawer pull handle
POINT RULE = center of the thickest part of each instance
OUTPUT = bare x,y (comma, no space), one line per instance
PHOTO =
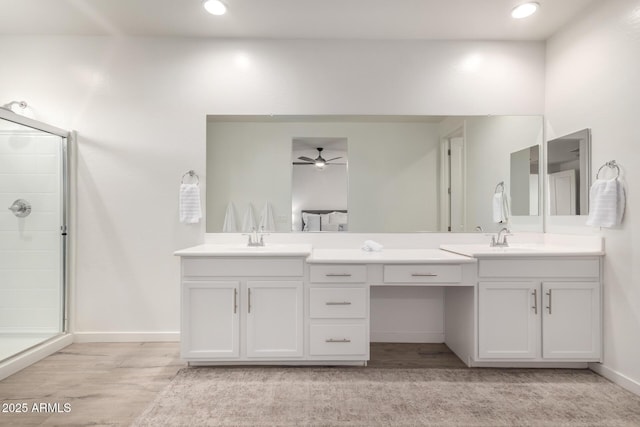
338,275
424,275
249,301
338,303
335,340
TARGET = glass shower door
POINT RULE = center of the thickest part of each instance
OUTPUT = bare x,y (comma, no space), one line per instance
32,247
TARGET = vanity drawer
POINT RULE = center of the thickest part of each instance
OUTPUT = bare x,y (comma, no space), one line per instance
242,266
338,340
423,273
338,273
344,302
556,267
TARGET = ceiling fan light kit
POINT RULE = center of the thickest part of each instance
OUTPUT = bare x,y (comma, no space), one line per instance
319,162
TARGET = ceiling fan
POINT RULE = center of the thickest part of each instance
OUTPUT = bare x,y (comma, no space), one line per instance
318,162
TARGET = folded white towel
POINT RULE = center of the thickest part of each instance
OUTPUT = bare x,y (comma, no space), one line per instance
606,203
267,221
371,246
190,210
229,225
249,221
501,211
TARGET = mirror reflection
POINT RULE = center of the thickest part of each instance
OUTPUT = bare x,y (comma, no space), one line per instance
405,173
319,184
525,181
568,161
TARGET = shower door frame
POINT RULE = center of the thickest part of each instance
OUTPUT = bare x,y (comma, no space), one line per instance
64,226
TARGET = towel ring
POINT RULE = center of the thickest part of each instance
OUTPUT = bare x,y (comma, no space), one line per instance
500,185
192,174
610,164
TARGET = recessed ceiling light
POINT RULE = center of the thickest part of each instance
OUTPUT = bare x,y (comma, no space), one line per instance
524,10
215,7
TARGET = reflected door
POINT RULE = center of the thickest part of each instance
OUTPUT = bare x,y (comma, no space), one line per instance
562,193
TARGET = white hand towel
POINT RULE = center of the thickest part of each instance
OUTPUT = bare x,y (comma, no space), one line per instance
606,203
371,246
190,210
229,225
500,206
249,221
267,221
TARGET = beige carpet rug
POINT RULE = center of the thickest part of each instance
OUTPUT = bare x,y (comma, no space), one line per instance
390,397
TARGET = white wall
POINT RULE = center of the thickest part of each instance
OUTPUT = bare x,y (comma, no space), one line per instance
593,69
140,106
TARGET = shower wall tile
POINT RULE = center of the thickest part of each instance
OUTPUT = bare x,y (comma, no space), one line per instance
27,260
30,320
25,240
31,143
30,260
29,163
30,279
37,221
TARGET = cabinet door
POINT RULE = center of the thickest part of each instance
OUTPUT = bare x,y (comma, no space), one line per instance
571,320
210,323
274,319
508,322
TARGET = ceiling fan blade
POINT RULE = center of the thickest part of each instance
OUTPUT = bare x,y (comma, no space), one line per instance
335,158
303,163
306,159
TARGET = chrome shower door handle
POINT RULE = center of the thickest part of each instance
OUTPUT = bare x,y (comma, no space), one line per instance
20,208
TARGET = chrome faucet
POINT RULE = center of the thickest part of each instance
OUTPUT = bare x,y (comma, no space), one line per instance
501,240
255,238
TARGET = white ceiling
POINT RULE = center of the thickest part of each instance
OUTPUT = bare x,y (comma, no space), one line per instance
305,19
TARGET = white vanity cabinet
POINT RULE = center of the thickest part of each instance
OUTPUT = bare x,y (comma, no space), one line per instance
242,309
539,309
338,301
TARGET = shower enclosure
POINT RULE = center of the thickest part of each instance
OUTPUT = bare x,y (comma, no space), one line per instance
33,229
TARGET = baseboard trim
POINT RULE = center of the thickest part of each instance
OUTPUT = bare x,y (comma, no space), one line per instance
81,337
516,364
34,355
408,337
616,377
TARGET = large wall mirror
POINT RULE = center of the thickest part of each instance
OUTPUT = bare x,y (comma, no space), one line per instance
568,173
390,173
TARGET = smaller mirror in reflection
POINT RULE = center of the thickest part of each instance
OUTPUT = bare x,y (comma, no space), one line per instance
524,180
319,184
568,174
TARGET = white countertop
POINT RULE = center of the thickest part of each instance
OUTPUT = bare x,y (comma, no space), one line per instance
244,250
521,250
387,256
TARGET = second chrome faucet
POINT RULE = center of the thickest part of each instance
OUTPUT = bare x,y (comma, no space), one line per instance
501,240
